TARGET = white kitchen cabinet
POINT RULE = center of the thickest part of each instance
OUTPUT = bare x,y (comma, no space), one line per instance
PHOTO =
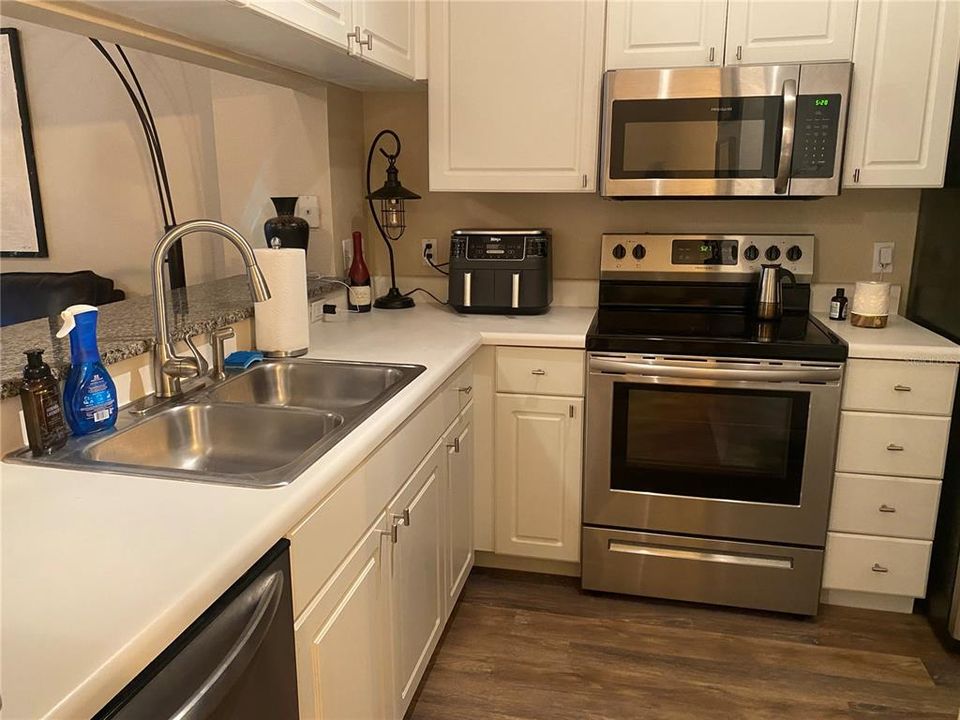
417,592
458,513
343,641
905,57
665,33
789,31
388,33
539,442
514,95
331,20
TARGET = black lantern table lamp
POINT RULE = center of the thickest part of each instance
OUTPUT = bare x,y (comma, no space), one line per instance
391,220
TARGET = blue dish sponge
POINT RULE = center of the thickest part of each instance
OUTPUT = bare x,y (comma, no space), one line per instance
242,359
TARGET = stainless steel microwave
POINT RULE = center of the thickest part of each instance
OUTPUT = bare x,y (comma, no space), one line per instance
757,131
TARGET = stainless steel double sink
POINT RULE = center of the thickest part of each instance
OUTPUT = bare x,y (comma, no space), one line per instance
259,428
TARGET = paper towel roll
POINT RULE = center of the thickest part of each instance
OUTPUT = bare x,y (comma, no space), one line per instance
283,322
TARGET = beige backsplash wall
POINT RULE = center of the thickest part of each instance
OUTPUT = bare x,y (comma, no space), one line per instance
846,227
230,143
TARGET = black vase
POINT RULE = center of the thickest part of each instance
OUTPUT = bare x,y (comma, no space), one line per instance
290,230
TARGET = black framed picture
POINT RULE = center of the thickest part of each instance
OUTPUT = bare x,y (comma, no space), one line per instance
22,232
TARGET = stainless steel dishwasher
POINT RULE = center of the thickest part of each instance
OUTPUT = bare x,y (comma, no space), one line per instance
237,660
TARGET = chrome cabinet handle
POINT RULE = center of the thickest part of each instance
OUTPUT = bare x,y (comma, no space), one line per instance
902,388
786,134
878,568
895,448
739,52
887,509
538,371
455,445
572,411
710,56
355,36
395,522
856,175
465,390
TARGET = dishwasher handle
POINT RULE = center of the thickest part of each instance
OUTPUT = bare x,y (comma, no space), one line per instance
266,593
699,372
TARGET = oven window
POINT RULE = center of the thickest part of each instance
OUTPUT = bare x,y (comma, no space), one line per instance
709,442
696,138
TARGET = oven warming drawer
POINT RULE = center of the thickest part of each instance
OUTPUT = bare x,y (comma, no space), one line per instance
764,577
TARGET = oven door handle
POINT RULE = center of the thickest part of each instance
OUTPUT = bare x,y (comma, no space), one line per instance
786,136
769,374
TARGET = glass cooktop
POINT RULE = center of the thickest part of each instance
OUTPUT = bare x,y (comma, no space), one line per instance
795,336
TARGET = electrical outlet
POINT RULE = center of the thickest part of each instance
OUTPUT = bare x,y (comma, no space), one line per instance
428,249
347,255
308,207
883,257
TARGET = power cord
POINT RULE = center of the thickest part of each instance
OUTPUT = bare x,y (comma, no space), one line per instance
424,290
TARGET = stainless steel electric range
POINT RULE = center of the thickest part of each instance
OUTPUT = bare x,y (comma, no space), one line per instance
710,435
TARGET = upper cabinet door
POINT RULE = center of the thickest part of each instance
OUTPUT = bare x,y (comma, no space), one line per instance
387,33
789,31
665,33
330,19
515,95
904,81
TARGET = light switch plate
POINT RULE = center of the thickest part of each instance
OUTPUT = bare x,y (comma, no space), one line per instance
309,209
879,248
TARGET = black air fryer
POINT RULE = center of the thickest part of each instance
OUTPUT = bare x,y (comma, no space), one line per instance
501,272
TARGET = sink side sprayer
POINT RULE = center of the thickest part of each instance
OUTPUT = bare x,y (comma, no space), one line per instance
168,367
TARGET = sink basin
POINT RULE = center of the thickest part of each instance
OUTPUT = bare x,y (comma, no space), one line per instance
316,384
260,428
217,439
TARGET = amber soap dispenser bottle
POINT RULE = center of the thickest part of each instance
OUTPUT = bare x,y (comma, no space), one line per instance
42,406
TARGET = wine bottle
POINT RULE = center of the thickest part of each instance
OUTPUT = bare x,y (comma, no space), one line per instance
359,296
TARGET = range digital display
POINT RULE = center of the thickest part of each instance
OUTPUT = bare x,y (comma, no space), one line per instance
704,252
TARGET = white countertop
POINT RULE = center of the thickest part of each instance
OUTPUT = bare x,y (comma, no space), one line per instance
101,572
901,339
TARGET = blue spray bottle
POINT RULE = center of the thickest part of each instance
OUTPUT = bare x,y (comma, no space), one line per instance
89,395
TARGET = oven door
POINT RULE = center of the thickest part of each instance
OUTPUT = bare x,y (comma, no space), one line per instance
735,449
699,131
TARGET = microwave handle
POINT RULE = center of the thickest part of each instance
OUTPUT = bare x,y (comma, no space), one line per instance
786,136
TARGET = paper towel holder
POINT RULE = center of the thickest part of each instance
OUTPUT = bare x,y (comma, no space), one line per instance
391,221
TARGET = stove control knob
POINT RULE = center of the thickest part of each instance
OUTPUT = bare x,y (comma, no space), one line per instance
619,251
639,252
794,253
751,253
773,253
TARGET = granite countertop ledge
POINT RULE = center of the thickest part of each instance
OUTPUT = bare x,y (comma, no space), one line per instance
125,328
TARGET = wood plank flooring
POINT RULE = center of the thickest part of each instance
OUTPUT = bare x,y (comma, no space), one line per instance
529,647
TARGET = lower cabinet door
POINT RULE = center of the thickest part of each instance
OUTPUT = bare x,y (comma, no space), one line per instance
343,641
539,446
417,592
459,506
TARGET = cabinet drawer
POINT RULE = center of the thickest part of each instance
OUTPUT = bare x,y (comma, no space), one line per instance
882,444
457,392
863,563
540,371
896,507
899,387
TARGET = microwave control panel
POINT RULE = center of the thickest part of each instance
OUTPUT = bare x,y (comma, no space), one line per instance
815,136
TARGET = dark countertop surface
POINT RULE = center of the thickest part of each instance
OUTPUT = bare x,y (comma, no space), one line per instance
125,328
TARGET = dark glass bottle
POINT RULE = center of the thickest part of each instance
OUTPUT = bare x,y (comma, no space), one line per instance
42,406
838,305
359,297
